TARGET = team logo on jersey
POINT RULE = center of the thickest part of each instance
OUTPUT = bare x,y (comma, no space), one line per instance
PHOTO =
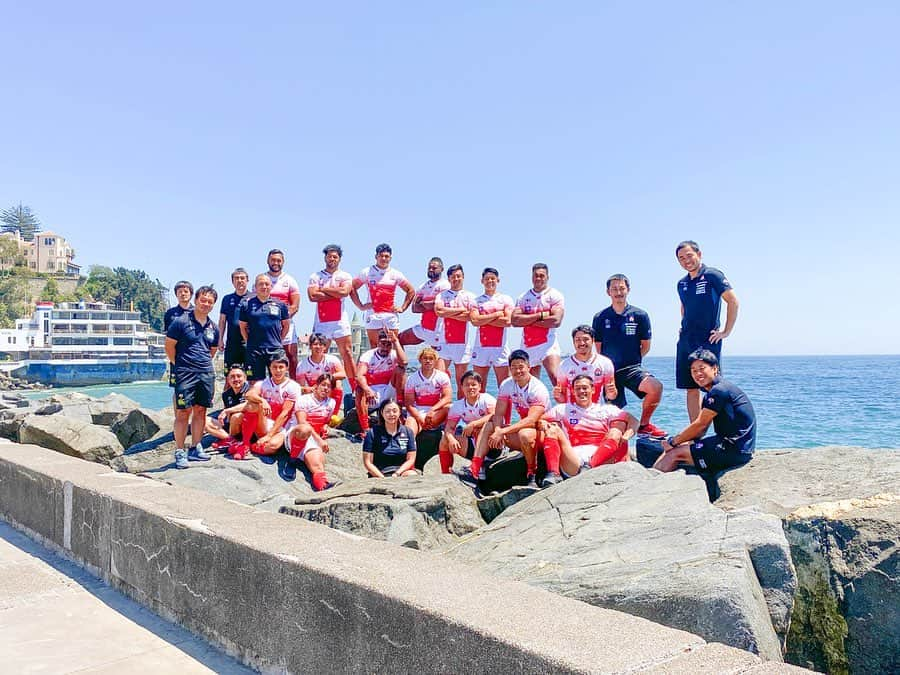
607,324
209,334
710,400
701,288
573,420
273,310
597,372
630,329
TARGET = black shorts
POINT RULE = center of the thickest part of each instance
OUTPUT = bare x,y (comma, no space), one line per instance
630,378
256,363
712,454
687,345
234,356
193,388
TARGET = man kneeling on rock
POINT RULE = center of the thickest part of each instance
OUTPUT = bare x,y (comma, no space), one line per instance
587,434
226,426
305,441
731,414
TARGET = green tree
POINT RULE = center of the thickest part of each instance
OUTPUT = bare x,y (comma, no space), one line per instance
125,288
12,300
21,219
9,252
51,292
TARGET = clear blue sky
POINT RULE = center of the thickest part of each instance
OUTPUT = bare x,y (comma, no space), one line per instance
189,138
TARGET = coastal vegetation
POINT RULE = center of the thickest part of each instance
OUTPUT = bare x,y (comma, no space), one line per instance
20,219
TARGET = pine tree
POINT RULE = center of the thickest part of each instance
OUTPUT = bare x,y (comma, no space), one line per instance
22,219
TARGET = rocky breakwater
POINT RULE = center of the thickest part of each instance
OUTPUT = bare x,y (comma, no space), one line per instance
840,508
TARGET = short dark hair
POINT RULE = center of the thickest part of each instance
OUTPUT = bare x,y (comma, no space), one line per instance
519,355
437,260
705,355
490,270
333,247
618,277
383,334
203,290
583,328
235,366
275,251
318,337
473,375
688,242
454,268
540,266
280,357
382,248
240,270
325,376
183,284
583,376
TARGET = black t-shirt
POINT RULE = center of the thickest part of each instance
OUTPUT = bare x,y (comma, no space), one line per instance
620,335
173,313
263,323
389,451
735,420
193,343
230,398
231,310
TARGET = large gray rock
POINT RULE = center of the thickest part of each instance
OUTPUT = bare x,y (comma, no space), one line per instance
71,437
110,408
841,513
637,541
420,512
11,421
137,425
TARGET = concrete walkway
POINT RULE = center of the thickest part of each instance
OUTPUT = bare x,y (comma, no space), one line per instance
57,618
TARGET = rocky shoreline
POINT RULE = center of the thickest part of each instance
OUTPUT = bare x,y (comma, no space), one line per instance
799,559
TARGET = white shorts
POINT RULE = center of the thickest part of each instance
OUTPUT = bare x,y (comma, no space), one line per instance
584,454
379,320
291,337
429,337
333,329
485,357
455,353
383,392
538,353
311,444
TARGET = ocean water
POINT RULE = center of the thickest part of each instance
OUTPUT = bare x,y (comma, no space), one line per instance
800,401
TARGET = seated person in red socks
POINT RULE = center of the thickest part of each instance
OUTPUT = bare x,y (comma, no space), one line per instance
467,417
586,434
226,426
305,440
269,412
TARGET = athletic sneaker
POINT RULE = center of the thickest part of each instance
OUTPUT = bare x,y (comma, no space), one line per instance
181,459
465,477
355,438
532,482
651,430
289,470
330,484
198,454
224,444
552,478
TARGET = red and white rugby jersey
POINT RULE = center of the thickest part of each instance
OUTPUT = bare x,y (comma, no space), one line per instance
532,302
426,390
382,285
586,426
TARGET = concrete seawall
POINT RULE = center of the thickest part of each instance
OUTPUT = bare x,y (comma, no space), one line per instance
286,595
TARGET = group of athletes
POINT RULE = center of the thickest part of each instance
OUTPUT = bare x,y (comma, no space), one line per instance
275,400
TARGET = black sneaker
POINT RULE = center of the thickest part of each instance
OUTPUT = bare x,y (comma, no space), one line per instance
465,477
552,478
289,470
532,482
355,438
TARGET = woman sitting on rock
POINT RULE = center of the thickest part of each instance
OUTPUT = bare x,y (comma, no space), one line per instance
389,448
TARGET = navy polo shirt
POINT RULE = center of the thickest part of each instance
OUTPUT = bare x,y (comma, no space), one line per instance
735,421
620,335
231,310
173,313
193,343
263,323
701,298
389,451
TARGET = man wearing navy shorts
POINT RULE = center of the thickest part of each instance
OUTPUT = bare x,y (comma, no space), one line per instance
231,342
730,412
701,292
622,334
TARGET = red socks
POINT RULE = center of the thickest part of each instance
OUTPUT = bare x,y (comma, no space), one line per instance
297,446
319,481
249,423
475,467
446,461
552,452
608,451
338,396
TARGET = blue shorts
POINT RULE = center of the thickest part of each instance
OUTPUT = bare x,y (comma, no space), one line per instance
630,378
712,454
687,345
193,388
